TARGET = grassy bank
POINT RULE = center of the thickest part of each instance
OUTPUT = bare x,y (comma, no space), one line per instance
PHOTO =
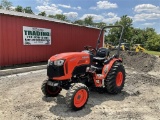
152,52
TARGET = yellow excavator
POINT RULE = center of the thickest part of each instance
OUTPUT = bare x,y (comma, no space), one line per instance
134,47
137,48
109,46
125,46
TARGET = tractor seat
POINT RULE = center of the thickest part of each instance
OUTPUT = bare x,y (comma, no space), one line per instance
101,55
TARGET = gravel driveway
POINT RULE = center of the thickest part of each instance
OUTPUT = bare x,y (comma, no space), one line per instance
21,99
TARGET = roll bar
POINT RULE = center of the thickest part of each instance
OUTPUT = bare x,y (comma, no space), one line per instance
111,26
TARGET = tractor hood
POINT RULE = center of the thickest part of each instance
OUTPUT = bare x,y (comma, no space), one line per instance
69,55
63,66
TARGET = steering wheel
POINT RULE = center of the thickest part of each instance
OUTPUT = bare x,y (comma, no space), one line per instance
91,49
87,47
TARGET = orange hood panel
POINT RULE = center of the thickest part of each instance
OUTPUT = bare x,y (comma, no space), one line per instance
68,55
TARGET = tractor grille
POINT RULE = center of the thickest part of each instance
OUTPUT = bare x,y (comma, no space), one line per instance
55,71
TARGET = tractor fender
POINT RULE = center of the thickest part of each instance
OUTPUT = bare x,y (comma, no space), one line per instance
108,66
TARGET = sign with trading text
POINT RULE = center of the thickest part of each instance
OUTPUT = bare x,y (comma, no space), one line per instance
36,36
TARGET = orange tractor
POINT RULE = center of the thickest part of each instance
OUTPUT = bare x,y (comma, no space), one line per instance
78,72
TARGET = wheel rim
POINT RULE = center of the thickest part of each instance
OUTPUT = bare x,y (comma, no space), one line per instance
80,98
119,79
53,90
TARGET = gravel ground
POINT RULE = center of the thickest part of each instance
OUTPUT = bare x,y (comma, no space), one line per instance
21,99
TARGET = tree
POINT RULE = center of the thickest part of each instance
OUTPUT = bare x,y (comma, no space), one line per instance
88,21
28,10
60,17
137,36
153,43
149,32
19,9
42,13
114,33
127,24
79,22
152,39
100,25
5,4
51,16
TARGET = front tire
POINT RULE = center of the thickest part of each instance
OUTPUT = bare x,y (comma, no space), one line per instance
50,91
77,96
114,82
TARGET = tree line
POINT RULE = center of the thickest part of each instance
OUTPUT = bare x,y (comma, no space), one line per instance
148,36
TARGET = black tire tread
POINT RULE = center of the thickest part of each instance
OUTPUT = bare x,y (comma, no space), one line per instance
43,88
111,78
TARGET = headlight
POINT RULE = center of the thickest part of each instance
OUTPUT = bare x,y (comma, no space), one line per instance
50,62
59,62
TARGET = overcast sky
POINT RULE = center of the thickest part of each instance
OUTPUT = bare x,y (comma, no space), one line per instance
145,13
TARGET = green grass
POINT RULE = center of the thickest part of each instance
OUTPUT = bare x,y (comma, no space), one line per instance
152,52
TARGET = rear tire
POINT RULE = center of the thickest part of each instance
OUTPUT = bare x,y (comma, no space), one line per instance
114,82
77,96
50,91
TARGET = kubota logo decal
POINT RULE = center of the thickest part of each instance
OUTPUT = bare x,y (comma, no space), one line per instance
72,59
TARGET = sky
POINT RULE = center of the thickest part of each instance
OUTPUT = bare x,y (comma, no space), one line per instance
145,13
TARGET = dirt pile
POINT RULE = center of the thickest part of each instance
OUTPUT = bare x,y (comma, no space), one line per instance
156,70
139,61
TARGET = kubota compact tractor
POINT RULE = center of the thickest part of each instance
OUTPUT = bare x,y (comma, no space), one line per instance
77,72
